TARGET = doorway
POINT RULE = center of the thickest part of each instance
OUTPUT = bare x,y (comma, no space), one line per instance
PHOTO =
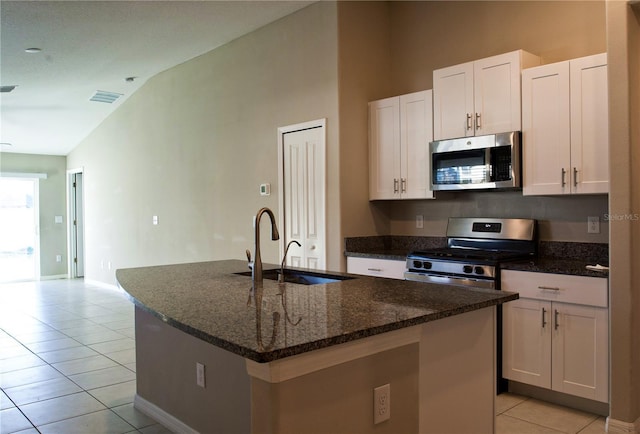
302,181
76,223
19,229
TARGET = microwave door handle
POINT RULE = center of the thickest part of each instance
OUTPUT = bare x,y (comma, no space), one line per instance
488,177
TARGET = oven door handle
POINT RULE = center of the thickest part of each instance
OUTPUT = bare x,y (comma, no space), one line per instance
449,280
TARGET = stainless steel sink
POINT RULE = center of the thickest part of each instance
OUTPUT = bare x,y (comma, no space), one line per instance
299,277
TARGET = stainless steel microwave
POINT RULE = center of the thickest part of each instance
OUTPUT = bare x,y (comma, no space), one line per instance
481,162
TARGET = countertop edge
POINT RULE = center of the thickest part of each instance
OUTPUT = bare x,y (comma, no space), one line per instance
269,356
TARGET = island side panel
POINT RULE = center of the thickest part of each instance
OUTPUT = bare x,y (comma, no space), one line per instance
166,378
339,399
458,374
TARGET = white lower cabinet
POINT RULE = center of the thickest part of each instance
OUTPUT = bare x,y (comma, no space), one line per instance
556,335
376,267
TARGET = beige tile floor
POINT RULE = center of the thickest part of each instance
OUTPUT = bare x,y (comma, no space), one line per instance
67,365
67,360
522,415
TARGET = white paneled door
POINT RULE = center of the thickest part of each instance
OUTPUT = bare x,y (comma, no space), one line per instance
303,193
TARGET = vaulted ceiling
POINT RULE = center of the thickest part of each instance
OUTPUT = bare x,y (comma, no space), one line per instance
108,46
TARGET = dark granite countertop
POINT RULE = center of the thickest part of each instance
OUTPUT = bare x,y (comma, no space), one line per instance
553,256
207,300
553,265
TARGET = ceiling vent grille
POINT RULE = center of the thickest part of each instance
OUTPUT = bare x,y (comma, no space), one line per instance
7,89
102,96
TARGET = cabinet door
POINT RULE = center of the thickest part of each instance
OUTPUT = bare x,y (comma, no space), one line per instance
496,83
384,149
589,125
416,131
526,342
580,351
545,129
453,102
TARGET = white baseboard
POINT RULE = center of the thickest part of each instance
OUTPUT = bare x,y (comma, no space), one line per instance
54,277
620,427
102,284
168,421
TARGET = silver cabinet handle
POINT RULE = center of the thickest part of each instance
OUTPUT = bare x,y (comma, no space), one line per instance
403,185
549,288
374,269
395,185
555,319
477,121
564,172
544,322
575,176
468,121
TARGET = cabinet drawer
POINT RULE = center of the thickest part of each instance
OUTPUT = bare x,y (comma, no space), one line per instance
376,267
590,291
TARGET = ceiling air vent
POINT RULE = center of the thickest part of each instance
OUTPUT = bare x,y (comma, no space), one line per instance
102,96
7,89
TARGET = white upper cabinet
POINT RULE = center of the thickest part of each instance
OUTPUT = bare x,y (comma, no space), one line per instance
400,129
480,97
565,127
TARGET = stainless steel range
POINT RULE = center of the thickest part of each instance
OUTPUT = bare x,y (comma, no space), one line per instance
475,249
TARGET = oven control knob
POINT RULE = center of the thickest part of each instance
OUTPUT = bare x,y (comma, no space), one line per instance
479,270
467,269
427,265
417,264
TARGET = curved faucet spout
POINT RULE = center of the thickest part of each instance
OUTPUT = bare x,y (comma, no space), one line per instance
256,274
284,259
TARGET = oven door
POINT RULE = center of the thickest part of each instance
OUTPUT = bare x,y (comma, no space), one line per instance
450,280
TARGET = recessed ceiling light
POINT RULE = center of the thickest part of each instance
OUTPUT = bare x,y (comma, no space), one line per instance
33,50
7,89
6,144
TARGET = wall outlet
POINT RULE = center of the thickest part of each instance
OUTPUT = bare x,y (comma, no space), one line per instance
155,219
593,225
419,221
381,403
200,378
58,258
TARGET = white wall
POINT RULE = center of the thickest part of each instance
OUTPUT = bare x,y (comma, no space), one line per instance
194,143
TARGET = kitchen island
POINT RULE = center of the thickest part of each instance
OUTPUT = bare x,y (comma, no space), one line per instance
295,358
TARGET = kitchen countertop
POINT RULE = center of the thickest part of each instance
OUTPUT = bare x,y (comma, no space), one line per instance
208,301
552,265
553,256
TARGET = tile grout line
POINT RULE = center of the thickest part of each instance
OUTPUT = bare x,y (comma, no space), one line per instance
46,363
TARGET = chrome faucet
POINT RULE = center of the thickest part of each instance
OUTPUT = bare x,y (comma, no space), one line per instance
256,265
284,259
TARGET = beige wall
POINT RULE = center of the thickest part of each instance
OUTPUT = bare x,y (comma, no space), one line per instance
364,60
52,194
194,143
428,35
623,33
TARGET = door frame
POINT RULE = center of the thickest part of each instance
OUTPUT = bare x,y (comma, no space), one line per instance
72,270
318,123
